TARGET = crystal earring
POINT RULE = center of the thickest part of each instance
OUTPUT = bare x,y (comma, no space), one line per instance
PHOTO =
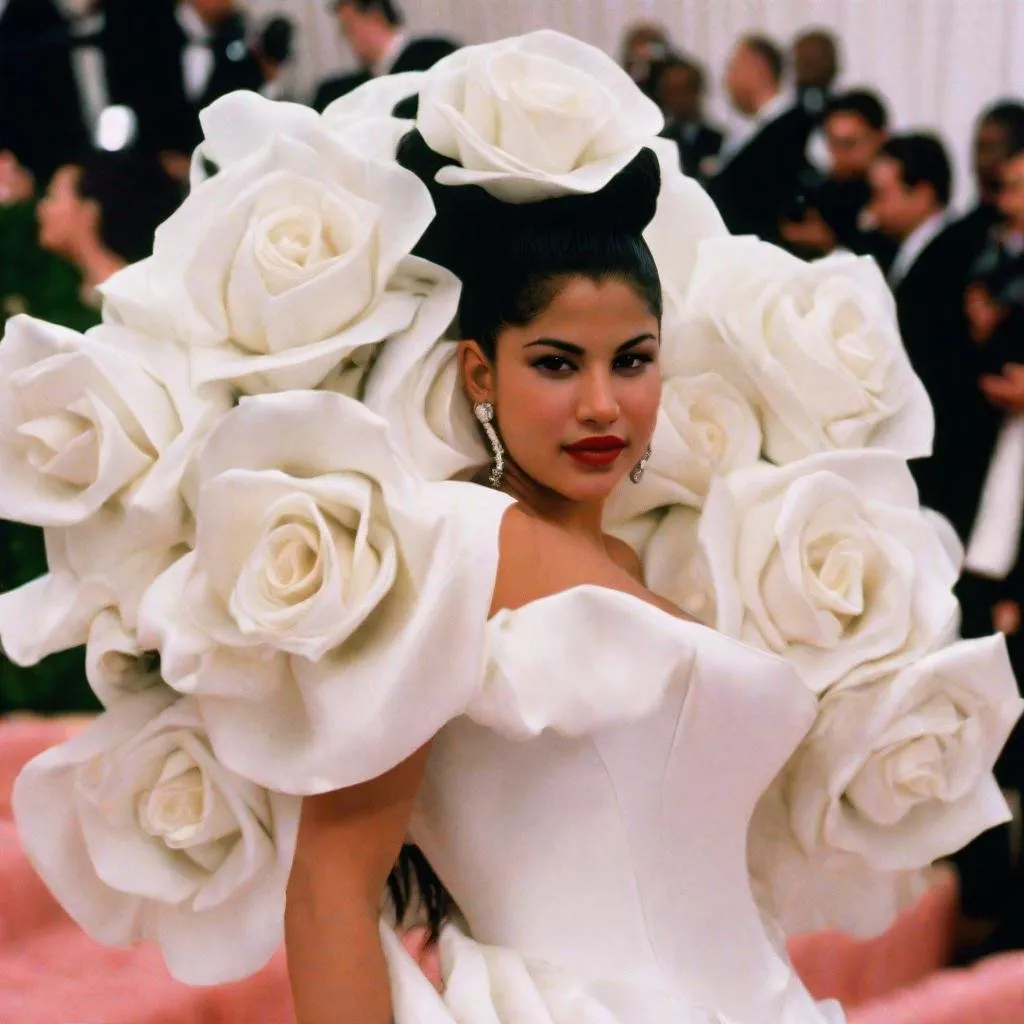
636,474
484,412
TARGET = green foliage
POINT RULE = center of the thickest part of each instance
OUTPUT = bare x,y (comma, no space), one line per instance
57,684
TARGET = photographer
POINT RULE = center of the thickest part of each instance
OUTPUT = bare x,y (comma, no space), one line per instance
828,211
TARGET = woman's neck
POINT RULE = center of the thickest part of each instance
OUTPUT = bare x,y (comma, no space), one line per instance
580,518
96,263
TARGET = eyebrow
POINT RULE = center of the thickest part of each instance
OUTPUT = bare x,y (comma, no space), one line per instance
577,350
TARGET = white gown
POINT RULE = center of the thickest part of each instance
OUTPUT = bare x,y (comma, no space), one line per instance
589,815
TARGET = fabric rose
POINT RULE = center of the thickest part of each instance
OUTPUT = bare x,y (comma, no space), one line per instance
899,771
81,420
685,216
706,428
282,266
821,345
143,836
325,575
107,562
115,665
804,892
676,568
830,563
534,117
415,387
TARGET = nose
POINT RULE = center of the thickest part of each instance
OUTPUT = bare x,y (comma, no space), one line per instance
598,403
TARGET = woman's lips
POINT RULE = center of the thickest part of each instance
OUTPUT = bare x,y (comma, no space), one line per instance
596,452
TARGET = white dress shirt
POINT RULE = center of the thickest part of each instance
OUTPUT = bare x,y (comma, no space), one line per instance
914,244
778,105
197,58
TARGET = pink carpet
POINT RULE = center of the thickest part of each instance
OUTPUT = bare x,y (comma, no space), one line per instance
50,973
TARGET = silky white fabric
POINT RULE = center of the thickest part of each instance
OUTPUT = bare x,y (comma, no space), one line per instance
591,822
938,61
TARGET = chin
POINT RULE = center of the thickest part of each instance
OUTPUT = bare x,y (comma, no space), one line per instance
588,487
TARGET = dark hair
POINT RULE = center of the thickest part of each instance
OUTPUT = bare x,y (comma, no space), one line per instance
135,195
864,103
677,62
823,38
276,40
1009,115
387,9
923,160
769,52
511,258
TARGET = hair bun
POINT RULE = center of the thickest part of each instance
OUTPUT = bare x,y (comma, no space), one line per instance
469,217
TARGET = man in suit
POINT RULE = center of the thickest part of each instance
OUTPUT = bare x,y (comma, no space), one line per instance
911,184
40,116
759,170
679,90
374,31
998,133
831,207
815,67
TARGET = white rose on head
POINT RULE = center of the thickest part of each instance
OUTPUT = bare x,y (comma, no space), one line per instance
821,345
533,117
830,563
898,771
281,267
320,562
143,836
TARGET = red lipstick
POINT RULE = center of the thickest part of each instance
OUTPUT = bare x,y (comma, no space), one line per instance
596,452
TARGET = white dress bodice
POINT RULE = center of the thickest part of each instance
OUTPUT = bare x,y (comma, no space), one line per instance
590,812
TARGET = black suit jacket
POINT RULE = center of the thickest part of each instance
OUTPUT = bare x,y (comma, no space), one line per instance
930,308
696,142
419,54
754,187
40,112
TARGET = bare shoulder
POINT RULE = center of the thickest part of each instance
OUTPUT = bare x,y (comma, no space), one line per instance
539,559
625,557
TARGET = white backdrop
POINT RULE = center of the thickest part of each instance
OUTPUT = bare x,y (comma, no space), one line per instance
937,61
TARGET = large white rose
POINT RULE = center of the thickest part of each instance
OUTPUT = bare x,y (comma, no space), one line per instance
143,836
105,563
414,385
825,889
282,266
899,771
706,428
675,566
325,577
85,418
533,117
820,344
115,665
830,563
685,216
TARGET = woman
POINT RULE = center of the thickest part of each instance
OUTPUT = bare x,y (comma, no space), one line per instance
561,314
338,645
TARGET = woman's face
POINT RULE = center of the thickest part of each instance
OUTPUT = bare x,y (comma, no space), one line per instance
576,391
66,220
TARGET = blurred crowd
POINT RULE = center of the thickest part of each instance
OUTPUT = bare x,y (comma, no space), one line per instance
99,105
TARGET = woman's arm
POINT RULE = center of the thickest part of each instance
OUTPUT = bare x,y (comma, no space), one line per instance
348,842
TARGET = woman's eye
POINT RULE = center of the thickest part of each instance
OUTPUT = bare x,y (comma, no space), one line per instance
633,361
554,364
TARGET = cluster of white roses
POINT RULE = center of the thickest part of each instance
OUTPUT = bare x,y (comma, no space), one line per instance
237,474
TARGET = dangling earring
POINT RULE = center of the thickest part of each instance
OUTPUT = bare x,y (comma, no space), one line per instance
484,412
636,474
